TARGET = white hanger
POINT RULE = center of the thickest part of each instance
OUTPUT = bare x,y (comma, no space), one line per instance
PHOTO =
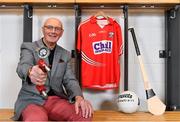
100,15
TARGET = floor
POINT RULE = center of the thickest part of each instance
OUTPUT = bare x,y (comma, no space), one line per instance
170,116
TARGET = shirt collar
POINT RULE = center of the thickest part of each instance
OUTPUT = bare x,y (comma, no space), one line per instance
47,46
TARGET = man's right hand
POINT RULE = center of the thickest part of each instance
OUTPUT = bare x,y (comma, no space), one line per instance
37,76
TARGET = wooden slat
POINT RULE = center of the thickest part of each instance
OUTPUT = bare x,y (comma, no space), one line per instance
37,1
6,114
138,116
131,1
95,1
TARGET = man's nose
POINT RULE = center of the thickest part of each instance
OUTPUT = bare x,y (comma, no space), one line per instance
53,30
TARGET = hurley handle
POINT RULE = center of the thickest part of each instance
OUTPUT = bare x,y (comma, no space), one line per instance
145,77
135,41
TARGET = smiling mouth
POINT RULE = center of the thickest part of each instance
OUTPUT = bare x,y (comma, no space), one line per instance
52,35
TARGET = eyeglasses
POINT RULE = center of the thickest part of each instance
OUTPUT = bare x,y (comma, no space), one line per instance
51,28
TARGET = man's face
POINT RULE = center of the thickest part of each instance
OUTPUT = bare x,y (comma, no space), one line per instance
52,30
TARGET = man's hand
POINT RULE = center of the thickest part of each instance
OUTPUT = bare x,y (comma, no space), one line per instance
37,76
84,105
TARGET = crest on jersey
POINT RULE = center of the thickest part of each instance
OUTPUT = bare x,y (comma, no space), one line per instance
111,34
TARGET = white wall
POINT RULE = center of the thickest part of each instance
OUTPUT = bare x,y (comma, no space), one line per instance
10,40
149,26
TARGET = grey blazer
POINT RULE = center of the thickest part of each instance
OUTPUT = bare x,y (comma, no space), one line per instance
60,76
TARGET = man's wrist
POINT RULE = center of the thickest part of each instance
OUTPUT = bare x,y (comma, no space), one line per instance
29,71
78,98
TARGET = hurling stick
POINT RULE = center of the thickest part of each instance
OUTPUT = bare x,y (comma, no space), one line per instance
155,105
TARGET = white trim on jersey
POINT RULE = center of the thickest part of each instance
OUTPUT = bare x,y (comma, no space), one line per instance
90,61
113,85
83,23
121,49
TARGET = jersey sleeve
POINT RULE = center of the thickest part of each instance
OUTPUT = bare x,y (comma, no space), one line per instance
79,38
119,38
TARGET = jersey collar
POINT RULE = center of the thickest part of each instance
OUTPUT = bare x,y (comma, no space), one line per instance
93,19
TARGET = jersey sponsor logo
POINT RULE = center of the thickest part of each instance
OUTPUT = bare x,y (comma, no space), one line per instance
103,46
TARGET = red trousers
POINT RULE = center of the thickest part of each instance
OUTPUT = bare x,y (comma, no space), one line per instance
54,109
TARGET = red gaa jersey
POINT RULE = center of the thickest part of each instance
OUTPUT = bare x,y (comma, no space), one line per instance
100,44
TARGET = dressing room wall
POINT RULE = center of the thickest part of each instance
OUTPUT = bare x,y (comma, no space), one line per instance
149,27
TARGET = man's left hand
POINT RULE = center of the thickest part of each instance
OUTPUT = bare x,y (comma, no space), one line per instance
84,105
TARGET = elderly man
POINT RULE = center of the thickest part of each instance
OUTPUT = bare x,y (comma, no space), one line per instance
62,97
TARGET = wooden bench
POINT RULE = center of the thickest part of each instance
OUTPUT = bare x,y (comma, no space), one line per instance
106,115
6,114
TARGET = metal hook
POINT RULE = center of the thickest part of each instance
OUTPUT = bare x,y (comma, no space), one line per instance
173,12
29,11
173,15
29,16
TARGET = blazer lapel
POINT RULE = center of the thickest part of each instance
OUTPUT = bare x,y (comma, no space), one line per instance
40,44
57,55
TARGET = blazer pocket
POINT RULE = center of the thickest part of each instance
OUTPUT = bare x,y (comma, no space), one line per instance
61,67
61,61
